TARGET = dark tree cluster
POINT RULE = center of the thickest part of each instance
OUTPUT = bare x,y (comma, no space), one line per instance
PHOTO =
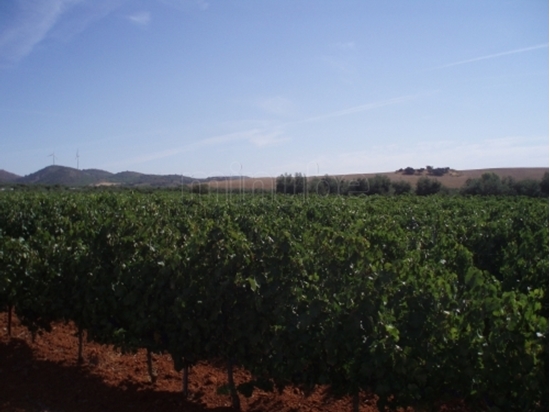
426,186
430,170
289,184
437,171
491,184
488,184
331,185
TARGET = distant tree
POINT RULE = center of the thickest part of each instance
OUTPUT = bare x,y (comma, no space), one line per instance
439,171
488,184
300,183
544,185
401,187
509,185
491,184
359,186
284,183
379,185
200,188
471,187
317,186
408,171
528,187
339,186
328,185
426,186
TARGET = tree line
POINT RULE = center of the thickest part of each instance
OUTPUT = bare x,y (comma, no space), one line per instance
489,184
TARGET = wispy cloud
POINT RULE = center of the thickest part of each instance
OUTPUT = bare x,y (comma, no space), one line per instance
277,105
187,5
268,139
364,107
32,23
490,153
344,46
142,18
256,137
80,17
203,5
342,59
342,65
492,56
226,138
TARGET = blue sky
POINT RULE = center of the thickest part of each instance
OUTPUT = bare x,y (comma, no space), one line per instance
221,87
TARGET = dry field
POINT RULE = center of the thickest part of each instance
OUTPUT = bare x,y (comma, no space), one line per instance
454,180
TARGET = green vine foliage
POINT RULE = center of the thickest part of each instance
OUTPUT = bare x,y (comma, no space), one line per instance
415,299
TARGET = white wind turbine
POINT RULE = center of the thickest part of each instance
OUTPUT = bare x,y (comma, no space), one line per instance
53,157
77,160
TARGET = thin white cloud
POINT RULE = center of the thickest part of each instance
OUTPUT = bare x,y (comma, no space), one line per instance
80,17
363,107
142,18
202,4
32,23
267,139
340,64
344,46
277,105
485,153
256,137
186,5
343,65
227,138
269,136
342,60
492,56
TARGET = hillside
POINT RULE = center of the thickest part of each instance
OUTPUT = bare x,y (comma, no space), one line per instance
68,176
7,177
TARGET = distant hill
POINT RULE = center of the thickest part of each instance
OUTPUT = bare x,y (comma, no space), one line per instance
7,177
68,176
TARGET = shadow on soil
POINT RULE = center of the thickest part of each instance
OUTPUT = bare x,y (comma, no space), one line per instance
29,384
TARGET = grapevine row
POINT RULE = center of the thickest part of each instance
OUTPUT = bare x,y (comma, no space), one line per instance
414,299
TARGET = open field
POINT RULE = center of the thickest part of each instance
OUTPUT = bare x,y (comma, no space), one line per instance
453,180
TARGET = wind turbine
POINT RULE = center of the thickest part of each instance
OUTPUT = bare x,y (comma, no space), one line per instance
77,160
53,157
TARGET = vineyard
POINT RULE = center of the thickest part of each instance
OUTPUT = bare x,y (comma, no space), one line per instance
414,299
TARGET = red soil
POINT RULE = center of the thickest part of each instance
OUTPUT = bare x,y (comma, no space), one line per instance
44,377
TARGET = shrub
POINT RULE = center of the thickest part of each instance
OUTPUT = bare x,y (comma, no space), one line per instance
426,186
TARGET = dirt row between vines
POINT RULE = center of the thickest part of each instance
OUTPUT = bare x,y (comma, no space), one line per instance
44,377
